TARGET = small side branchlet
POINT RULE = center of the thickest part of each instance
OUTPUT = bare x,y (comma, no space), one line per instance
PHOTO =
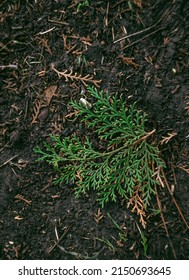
126,166
82,4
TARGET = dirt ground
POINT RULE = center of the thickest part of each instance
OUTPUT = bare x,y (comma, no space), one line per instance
138,48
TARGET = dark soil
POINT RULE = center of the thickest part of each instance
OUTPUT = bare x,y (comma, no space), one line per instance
39,220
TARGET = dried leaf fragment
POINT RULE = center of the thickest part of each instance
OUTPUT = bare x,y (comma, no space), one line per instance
129,61
138,3
69,75
49,93
137,205
44,43
98,216
36,111
18,218
184,168
167,138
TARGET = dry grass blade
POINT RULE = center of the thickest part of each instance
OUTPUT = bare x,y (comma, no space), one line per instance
66,229
174,200
164,223
187,108
69,75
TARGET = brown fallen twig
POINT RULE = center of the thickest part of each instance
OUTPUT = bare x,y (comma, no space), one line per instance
20,197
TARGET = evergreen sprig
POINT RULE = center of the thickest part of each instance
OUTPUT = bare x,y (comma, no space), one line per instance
128,163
